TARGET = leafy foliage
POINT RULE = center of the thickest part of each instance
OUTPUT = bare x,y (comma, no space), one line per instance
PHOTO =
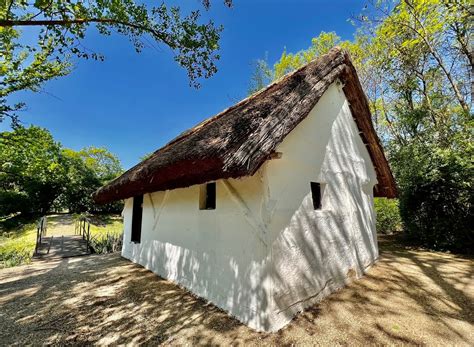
32,173
421,109
319,45
62,25
82,182
89,169
38,175
104,164
388,215
107,243
414,62
24,67
437,194
263,74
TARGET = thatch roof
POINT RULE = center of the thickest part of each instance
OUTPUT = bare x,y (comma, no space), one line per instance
237,141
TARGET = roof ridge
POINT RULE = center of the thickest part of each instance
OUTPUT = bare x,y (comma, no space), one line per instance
206,121
237,141
184,135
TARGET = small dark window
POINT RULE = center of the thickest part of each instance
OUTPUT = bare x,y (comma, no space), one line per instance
137,218
207,196
316,194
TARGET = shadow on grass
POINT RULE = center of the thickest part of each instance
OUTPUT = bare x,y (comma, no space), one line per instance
103,220
17,225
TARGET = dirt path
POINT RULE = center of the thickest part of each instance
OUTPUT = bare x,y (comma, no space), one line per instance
409,297
61,224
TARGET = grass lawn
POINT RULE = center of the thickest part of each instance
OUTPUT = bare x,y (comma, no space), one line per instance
18,238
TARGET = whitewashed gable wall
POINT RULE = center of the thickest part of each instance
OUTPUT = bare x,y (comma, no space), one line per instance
313,251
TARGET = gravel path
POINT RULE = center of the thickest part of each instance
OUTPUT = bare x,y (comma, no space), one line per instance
408,297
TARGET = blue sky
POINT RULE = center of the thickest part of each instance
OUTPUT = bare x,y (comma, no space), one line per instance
135,103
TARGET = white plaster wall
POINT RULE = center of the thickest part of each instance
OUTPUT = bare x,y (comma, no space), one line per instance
218,254
264,253
315,252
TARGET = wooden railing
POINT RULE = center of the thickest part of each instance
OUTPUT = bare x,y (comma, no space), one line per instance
41,232
82,227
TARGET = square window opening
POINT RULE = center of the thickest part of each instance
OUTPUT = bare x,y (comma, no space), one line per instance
207,196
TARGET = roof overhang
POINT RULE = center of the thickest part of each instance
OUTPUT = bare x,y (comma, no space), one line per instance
237,141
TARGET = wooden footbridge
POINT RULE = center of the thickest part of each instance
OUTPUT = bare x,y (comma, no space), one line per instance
63,246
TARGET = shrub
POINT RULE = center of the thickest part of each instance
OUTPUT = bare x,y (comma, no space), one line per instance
12,202
438,211
437,196
15,256
388,215
108,243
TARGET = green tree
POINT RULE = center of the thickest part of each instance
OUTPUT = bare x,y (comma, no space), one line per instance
421,68
32,173
261,76
419,55
105,165
62,25
37,174
87,170
414,62
319,45
82,181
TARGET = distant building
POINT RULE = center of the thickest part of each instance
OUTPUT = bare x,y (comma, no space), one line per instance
267,207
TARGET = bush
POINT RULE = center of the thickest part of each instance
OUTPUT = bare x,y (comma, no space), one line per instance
437,196
14,256
108,243
388,218
438,213
11,202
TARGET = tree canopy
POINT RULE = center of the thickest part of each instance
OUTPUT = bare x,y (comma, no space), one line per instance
32,170
37,174
62,26
415,64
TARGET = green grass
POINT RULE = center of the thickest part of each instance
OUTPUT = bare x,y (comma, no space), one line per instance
108,224
18,237
106,233
17,245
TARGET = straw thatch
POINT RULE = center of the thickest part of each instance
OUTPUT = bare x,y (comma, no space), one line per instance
236,142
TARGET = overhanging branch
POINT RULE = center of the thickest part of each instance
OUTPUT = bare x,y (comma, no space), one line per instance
66,22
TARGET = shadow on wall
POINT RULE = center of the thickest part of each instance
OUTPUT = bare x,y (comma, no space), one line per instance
319,251
309,255
206,274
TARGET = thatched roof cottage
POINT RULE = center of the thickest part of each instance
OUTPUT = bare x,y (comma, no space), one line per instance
266,207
